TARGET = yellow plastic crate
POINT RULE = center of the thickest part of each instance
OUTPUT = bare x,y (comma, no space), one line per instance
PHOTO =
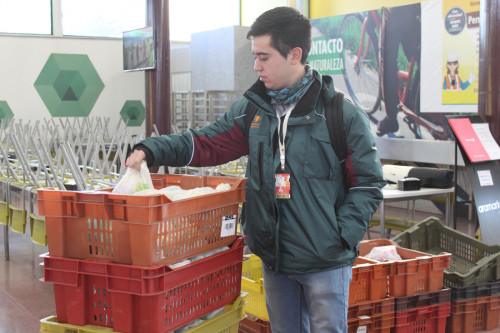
253,284
38,231
17,219
226,322
252,267
4,213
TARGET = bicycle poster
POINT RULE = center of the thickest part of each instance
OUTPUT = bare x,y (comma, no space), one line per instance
377,59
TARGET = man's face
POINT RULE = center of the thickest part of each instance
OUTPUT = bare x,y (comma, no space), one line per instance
274,70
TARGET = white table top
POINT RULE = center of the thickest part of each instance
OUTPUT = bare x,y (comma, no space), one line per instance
391,191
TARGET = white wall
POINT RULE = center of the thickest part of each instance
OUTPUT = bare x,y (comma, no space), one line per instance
221,59
23,57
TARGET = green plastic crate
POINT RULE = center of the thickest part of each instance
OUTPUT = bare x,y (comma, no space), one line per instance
472,261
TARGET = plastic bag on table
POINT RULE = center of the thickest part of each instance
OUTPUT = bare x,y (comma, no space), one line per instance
384,253
134,181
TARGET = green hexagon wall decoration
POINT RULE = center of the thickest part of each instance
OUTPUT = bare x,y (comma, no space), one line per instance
69,85
5,111
133,111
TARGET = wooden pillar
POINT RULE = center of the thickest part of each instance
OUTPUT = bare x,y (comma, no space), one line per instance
489,65
158,80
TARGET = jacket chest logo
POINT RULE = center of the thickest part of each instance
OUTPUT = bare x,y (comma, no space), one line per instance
256,122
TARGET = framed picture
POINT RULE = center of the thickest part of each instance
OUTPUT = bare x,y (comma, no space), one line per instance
138,49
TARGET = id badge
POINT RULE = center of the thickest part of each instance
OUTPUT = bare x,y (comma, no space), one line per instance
282,185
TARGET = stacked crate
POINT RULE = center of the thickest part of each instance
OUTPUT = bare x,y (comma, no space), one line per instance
475,308
416,276
422,312
370,308
472,276
257,319
376,293
111,257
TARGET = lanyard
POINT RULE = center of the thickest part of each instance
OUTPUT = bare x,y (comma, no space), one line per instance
282,142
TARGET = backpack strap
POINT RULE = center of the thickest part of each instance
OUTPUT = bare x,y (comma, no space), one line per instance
335,123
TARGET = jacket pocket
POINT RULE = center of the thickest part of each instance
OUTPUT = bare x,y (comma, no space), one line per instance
318,157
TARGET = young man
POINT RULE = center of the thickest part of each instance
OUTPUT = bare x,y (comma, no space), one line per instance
307,235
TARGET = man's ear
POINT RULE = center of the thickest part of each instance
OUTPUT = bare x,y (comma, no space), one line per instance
295,55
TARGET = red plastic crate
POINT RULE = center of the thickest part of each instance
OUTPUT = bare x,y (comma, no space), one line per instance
369,280
372,317
476,314
140,230
416,272
254,325
132,298
429,319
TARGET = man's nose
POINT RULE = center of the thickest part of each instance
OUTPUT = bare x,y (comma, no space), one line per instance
256,66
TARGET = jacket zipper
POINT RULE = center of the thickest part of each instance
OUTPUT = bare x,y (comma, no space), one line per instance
261,163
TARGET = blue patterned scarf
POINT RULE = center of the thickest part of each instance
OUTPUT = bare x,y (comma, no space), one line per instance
287,96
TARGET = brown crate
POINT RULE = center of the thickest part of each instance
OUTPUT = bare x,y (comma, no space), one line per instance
375,316
476,314
254,325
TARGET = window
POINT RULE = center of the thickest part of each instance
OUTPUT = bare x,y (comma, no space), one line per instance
26,16
102,18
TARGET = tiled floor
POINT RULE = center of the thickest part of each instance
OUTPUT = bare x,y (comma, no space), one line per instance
24,300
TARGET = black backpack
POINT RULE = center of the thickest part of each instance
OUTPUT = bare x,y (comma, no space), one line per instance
334,122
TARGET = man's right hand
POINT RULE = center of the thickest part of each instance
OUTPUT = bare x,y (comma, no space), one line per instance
134,159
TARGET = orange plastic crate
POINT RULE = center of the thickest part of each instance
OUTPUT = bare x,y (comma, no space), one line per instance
131,298
140,230
369,280
416,272
372,317
476,314
429,319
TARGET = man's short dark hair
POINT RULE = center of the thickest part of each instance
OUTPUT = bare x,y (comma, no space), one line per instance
288,29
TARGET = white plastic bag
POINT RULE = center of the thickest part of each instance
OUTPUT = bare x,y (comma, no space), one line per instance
134,181
384,253
174,192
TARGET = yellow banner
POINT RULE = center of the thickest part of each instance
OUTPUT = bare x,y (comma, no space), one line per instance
460,57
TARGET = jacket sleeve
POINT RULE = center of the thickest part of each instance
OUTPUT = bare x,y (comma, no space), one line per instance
364,177
217,143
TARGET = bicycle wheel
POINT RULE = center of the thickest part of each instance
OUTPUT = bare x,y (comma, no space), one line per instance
435,123
361,66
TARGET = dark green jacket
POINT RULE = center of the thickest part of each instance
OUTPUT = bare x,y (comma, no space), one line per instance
321,225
